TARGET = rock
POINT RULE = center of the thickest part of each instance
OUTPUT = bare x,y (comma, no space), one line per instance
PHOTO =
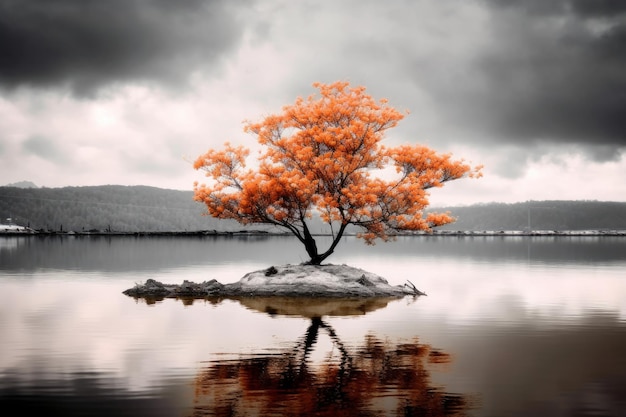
364,281
270,271
285,281
151,288
314,281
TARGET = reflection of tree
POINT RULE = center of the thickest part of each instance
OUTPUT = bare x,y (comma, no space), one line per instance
377,378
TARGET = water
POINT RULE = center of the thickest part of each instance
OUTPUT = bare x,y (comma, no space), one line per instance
511,326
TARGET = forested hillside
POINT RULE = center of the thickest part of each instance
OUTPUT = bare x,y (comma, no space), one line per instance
147,209
108,207
540,215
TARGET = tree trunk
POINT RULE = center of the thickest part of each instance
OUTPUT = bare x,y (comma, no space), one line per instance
319,258
311,246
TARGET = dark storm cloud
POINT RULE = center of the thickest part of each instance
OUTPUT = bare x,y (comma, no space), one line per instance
89,44
598,7
523,73
585,8
555,71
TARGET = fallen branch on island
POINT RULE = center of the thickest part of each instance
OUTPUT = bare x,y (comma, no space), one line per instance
284,281
412,287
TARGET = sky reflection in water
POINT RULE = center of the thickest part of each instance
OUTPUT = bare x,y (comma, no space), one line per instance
516,326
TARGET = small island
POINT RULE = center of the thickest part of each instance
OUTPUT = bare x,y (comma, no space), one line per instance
328,280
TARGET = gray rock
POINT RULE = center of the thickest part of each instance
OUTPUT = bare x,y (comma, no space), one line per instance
285,281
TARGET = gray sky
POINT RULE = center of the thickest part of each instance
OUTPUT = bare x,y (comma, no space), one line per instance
131,91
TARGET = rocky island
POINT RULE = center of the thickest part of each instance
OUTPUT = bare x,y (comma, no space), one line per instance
328,281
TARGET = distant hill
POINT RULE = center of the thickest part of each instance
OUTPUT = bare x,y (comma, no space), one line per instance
539,215
147,209
107,207
22,184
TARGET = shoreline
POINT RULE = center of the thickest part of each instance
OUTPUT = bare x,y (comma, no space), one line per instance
211,233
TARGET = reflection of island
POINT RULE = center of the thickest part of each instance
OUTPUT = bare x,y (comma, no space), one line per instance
311,307
377,378
307,307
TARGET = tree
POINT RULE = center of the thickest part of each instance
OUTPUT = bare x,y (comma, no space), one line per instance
319,156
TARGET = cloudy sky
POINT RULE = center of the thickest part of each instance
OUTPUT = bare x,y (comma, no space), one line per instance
130,92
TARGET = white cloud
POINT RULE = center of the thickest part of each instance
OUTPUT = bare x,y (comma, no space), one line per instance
570,176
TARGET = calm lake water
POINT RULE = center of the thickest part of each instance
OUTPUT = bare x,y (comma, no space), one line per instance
511,326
